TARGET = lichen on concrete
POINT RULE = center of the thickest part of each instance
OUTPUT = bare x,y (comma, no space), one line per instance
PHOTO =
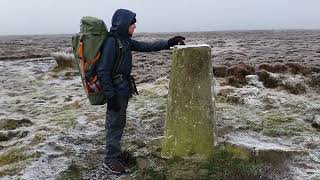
190,123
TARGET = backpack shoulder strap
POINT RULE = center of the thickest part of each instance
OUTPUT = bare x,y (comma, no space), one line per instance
119,59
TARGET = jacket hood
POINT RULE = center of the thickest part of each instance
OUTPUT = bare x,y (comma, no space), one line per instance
121,20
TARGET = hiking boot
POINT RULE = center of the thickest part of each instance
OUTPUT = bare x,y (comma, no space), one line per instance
126,159
114,166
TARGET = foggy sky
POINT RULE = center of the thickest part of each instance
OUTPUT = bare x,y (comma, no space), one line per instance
63,16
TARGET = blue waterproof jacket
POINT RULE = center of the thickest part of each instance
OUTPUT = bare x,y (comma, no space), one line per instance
121,21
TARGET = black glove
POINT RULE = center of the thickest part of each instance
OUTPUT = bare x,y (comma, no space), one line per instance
176,40
113,104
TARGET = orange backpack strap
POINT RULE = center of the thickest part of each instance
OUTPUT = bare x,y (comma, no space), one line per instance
80,50
81,54
84,63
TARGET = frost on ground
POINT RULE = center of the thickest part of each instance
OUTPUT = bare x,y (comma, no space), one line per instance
265,112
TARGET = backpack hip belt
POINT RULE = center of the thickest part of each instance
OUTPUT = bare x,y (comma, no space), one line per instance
119,78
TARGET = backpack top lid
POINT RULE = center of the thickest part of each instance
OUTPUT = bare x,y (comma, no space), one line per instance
93,32
92,25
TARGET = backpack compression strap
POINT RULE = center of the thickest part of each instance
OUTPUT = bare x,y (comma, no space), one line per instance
81,54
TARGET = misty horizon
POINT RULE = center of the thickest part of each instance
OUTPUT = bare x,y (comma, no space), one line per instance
203,31
37,17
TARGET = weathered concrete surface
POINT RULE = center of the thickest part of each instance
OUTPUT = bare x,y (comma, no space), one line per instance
190,123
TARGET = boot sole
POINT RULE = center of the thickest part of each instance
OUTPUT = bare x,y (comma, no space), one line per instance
109,169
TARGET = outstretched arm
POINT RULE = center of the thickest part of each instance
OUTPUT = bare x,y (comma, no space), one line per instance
156,46
148,46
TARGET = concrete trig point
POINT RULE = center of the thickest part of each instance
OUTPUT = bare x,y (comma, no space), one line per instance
190,124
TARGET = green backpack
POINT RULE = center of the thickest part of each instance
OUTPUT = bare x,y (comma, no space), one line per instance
86,49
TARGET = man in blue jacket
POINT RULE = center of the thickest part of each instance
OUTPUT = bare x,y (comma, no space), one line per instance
117,82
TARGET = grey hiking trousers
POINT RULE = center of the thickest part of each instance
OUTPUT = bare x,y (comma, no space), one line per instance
115,124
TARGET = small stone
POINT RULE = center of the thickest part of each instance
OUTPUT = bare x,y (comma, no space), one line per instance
249,146
253,80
